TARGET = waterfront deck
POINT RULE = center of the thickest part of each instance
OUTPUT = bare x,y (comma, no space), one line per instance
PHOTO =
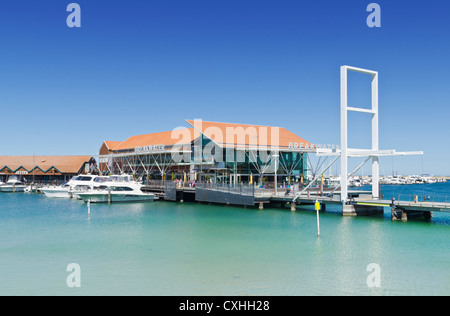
404,209
360,202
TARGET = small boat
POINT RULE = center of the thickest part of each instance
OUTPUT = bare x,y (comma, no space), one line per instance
113,192
31,188
13,185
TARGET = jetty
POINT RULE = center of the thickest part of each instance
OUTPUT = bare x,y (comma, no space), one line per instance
360,202
353,202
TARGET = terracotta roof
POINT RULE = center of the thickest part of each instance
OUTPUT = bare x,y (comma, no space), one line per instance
169,138
65,164
111,144
248,136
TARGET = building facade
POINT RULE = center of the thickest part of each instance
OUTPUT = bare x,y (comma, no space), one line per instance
211,151
45,169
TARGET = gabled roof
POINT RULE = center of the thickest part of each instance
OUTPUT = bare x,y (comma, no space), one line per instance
111,144
169,138
248,136
64,164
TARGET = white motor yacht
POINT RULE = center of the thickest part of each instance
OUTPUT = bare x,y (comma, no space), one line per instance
13,185
121,188
71,189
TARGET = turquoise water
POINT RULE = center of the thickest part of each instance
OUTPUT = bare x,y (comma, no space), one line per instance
165,248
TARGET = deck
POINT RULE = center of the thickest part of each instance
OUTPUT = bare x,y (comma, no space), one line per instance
361,202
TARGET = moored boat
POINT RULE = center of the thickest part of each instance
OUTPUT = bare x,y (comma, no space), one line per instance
13,185
113,192
71,189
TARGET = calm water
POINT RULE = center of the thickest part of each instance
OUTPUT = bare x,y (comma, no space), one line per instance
165,248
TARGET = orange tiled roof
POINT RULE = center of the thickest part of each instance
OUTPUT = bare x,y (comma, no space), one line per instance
245,135
65,164
111,144
169,138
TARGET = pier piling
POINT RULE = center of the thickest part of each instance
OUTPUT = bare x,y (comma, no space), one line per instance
404,216
355,210
293,206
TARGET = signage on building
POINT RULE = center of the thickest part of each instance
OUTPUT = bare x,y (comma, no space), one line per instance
148,148
293,145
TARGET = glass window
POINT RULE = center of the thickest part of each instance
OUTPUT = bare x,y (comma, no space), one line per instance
121,189
81,187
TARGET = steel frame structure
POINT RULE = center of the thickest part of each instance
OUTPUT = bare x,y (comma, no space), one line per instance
144,164
140,164
344,130
371,154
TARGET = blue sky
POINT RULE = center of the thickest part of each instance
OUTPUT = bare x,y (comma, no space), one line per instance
137,67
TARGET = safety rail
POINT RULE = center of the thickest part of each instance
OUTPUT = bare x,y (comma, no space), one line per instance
242,189
434,201
260,191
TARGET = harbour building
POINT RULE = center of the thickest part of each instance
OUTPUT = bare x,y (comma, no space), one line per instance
45,169
215,152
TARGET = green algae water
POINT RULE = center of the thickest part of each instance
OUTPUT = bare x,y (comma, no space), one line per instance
166,248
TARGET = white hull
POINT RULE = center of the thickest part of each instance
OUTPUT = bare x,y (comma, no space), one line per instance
30,189
10,188
62,194
102,197
77,184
